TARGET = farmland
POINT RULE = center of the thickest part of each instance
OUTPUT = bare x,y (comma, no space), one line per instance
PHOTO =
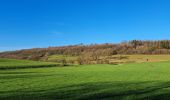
16,64
98,81
117,58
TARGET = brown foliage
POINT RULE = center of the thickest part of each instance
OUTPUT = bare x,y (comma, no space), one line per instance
93,53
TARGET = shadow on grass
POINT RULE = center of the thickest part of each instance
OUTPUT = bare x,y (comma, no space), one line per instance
28,66
3,73
97,91
27,76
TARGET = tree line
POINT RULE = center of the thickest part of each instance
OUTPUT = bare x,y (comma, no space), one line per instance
93,51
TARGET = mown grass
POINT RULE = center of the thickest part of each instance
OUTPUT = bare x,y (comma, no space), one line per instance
124,81
14,64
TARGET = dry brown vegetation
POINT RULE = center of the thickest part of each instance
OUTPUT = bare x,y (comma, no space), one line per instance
94,53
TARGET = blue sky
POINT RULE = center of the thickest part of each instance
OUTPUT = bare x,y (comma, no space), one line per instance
43,23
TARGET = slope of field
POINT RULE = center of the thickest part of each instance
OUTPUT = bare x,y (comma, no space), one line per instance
13,64
126,81
55,58
141,58
116,58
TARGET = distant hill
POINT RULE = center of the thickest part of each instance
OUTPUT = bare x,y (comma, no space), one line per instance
93,50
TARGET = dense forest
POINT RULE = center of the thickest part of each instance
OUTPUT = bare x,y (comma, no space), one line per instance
93,51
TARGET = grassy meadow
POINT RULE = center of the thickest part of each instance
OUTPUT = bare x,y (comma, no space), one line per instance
148,80
117,58
16,64
141,58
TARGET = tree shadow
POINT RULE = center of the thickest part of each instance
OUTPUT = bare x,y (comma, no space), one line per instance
98,91
19,72
23,75
28,66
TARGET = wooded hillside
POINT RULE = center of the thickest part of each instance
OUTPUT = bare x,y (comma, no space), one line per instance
93,50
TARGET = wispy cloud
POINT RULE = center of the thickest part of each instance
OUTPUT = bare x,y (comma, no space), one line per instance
2,48
10,48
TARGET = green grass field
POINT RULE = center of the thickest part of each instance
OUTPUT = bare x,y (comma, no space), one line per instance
124,81
15,64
